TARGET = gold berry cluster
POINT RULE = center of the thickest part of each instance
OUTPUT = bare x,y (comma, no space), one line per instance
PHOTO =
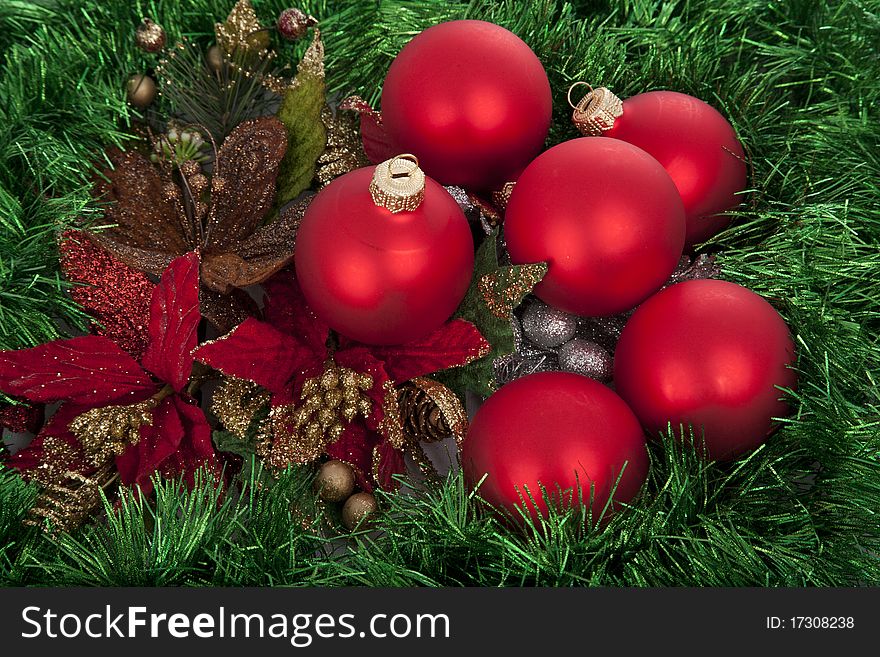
328,402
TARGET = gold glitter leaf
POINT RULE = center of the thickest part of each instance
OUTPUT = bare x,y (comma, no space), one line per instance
106,432
236,402
344,150
488,305
73,498
241,30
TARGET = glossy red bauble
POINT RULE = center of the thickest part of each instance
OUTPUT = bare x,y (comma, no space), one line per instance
710,354
556,429
605,216
471,100
379,277
697,147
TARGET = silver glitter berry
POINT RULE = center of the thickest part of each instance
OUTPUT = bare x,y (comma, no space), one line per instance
587,358
470,210
546,326
604,331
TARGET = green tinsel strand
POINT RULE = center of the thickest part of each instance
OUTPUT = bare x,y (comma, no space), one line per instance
797,79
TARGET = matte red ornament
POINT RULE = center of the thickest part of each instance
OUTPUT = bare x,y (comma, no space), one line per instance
697,147
710,354
605,216
471,100
555,428
383,277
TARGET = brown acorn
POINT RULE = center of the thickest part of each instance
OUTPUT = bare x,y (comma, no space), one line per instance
214,57
358,508
141,90
335,481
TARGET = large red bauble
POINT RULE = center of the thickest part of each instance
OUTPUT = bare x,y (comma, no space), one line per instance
378,277
710,354
605,216
554,428
471,100
697,147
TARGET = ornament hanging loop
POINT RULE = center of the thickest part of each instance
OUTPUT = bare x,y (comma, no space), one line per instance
398,184
596,112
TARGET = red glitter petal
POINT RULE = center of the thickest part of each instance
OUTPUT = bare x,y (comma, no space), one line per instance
22,417
117,296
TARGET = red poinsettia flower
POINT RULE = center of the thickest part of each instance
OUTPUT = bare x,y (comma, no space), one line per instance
93,372
291,347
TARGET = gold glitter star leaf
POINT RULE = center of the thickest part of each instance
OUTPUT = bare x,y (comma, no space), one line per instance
505,288
242,30
70,501
493,294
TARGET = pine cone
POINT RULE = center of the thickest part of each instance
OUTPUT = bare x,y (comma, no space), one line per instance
422,417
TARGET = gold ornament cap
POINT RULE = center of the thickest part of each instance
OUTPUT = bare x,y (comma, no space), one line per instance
398,184
596,112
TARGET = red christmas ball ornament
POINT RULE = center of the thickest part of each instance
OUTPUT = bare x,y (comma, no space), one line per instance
471,100
554,428
691,139
384,254
710,354
605,216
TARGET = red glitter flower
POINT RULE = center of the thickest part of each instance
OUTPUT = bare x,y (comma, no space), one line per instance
93,372
291,347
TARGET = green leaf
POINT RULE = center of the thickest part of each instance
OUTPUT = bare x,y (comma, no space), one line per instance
493,294
300,112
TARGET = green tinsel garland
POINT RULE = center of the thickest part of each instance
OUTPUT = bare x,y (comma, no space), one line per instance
800,81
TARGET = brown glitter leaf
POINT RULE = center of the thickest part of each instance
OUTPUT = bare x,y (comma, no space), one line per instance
258,257
241,30
503,289
244,181
146,208
145,260
226,311
488,212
